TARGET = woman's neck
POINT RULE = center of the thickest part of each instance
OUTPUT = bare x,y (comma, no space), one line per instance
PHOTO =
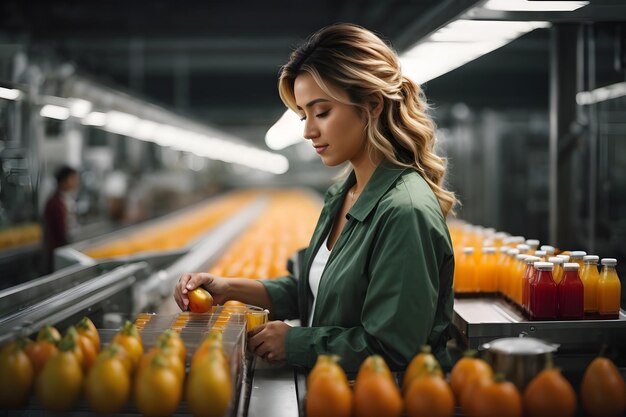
364,167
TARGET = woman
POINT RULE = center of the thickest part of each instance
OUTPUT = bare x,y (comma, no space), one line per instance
377,276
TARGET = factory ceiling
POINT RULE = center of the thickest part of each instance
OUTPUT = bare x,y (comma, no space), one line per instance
218,60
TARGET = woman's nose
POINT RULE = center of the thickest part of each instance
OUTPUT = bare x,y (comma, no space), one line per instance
310,130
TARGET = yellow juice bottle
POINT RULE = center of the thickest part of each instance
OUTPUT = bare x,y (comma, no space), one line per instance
577,256
465,272
517,276
509,268
557,272
502,258
590,276
609,289
487,273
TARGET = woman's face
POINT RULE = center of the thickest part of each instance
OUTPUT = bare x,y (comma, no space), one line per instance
336,130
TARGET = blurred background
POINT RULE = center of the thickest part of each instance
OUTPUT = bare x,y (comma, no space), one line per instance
163,104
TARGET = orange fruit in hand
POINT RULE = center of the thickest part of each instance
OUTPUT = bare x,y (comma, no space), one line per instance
200,301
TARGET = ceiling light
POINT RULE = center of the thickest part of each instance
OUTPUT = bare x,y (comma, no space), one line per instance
458,43
79,107
285,132
95,118
10,93
120,123
601,94
534,6
55,112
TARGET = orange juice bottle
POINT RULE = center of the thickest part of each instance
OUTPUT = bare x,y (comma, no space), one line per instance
508,270
590,276
516,278
577,256
609,289
502,258
529,274
533,244
557,272
487,275
465,272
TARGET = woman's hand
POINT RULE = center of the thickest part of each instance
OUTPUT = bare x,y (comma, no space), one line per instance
268,341
218,287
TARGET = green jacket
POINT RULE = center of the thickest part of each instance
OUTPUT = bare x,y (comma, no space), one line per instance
387,286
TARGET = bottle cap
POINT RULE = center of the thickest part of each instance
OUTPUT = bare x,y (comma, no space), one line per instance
505,249
556,260
544,266
570,266
468,249
577,254
532,259
521,256
592,259
489,249
523,247
547,248
513,252
564,257
540,253
609,261
490,231
532,242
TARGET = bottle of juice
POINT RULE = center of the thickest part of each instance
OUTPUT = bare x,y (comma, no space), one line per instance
609,289
564,257
557,273
549,250
577,256
508,271
487,276
590,276
533,243
465,272
502,259
570,292
543,293
529,274
517,278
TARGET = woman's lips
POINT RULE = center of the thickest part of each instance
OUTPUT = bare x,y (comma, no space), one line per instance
320,148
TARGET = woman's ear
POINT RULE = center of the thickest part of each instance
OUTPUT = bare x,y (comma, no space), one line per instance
375,102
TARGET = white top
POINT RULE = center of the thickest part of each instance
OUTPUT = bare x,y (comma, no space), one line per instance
315,274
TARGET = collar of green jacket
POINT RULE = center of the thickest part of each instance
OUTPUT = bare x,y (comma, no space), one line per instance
383,178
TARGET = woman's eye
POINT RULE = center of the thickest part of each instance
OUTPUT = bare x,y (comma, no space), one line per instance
323,114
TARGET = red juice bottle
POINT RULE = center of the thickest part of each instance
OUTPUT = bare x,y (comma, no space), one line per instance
571,293
529,274
543,293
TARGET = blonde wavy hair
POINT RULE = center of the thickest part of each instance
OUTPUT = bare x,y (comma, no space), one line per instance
353,59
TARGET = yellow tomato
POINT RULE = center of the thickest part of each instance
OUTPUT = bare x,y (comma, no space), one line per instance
129,339
59,383
209,388
87,328
158,390
107,387
171,340
200,301
16,375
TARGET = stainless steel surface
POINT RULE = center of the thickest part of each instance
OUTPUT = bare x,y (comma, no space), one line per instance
481,320
65,304
519,359
273,392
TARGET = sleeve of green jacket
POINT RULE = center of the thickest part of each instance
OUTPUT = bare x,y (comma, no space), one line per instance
401,301
283,292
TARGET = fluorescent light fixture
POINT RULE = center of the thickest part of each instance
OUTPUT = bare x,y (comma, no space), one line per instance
285,132
534,6
95,118
79,107
601,94
120,123
458,43
55,112
10,93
